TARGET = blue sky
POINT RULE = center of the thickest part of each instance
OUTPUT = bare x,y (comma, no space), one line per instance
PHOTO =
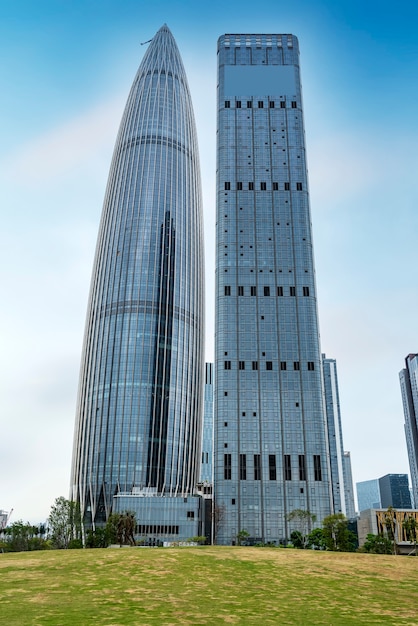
65,75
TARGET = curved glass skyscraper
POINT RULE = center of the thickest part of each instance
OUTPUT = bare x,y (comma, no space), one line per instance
138,422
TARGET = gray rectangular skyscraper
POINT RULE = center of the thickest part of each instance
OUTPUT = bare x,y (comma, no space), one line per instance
409,388
271,442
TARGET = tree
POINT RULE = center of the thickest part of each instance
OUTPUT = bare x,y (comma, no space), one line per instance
390,523
297,539
21,537
316,539
410,526
120,528
242,535
336,535
377,544
218,516
303,521
65,524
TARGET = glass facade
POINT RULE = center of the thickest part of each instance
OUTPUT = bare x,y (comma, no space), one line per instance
394,491
206,470
335,434
368,495
408,378
138,422
271,443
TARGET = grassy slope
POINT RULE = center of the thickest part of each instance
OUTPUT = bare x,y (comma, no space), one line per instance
207,585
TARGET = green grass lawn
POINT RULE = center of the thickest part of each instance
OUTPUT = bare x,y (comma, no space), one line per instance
206,585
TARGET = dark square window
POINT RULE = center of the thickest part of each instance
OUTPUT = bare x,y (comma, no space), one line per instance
287,186
238,104
227,365
299,186
311,366
255,365
282,104
190,514
266,290
292,291
282,365
279,290
317,467
306,291
294,104
250,186
302,468
239,186
272,467
227,186
263,186
260,104
271,104
287,467
240,290
227,104
243,467
275,186
257,467
227,466
296,365
227,290
249,104
241,365
253,290
269,365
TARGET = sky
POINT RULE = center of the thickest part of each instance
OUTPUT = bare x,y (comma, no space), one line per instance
65,74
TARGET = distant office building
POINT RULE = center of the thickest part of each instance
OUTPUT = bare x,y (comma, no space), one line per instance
368,495
409,388
335,434
394,491
350,507
206,469
271,439
138,428
377,522
4,516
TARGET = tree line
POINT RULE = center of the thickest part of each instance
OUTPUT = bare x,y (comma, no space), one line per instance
63,530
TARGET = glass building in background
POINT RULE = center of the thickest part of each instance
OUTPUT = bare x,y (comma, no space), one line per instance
350,505
138,422
340,479
394,491
368,495
408,378
271,441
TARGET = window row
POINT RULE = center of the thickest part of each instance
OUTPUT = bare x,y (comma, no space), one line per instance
260,104
266,290
299,472
263,186
269,365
